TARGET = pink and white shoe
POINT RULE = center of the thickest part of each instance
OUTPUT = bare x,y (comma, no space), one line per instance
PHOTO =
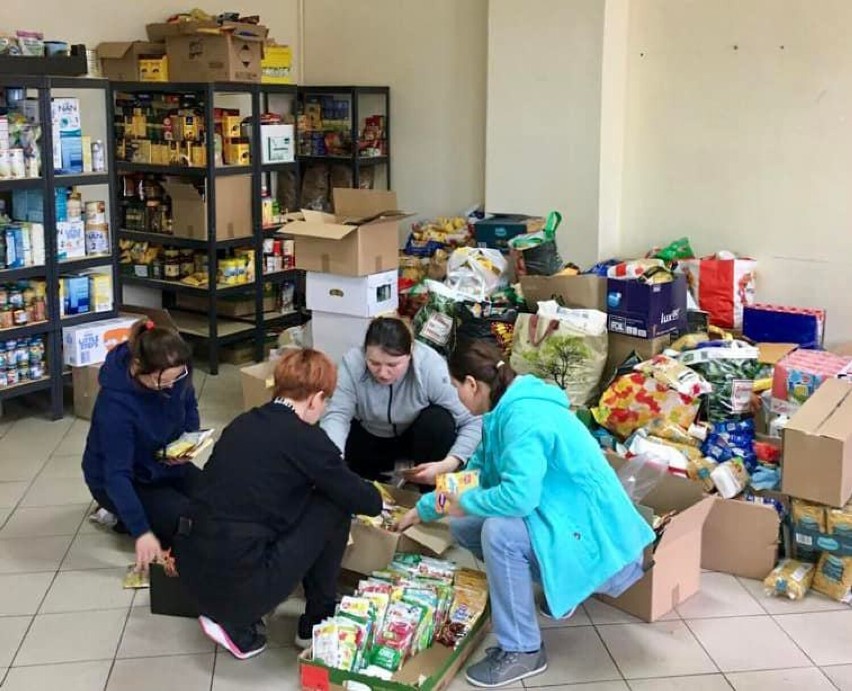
217,633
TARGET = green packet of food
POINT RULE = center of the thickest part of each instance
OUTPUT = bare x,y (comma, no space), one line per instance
385,657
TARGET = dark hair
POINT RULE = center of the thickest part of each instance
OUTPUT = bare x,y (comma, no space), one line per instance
302,373
391,335
484,362
155,348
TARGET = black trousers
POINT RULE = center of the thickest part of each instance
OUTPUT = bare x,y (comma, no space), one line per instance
164,502
429,439
236,580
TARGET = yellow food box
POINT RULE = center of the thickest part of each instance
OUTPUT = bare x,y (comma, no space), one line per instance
276,67
238,154
154,69
231,126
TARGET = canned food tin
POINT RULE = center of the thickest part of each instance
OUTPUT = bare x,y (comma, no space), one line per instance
98,156
36,371
11,376
23,372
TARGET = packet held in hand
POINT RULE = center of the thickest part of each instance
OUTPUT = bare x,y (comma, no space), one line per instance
453,484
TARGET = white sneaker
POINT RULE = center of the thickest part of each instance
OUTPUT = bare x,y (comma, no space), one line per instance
544,611
104,518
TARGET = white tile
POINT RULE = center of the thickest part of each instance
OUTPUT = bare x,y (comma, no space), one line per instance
19,469
186,672
602,613
812,602
274,670
73,676
142,597
12,631
73,443
721,595
706,682
12,492
574,655
824,636
29,555
663,649
79,591
72,637
22,593
149,635
63,466
809,678
57,491
44,521
841,676
100,550
732,643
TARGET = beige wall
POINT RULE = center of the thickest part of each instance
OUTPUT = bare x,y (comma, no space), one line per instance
745,148
432,55
544,109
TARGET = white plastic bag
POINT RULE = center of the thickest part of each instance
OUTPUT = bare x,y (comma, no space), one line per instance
476,272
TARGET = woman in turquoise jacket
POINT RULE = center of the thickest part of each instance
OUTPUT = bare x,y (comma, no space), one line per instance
548,509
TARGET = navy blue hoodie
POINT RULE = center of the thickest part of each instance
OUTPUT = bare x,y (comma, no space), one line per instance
130,426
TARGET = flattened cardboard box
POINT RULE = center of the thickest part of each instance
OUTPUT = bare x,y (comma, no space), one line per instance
360,239
817,457
673,569
372,548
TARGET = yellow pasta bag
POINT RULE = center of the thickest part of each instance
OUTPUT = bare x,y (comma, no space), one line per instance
833,577
791,579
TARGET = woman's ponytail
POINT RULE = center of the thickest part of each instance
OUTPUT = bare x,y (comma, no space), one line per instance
155,348
484,363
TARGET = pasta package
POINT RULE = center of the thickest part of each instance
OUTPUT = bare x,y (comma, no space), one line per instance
833,577
791,579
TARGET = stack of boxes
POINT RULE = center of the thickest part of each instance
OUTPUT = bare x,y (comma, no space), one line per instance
352,264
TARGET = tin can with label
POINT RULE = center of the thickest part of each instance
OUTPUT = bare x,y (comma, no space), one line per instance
4,379
11,376
98,156
36,371
23,373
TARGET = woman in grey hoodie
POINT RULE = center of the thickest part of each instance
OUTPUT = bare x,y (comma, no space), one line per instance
395,402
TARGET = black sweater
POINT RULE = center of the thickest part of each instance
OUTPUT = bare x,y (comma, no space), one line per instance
265,467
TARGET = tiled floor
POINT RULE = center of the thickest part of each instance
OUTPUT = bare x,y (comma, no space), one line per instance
66,623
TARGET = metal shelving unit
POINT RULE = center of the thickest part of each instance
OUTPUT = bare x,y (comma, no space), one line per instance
218,330
355,162
51,271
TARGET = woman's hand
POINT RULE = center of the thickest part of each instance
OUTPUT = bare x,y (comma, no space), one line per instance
148,549
408,520
425,473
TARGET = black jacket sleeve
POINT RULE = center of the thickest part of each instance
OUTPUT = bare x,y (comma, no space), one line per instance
319,459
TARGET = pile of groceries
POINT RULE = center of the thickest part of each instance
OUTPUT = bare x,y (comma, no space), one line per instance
417,601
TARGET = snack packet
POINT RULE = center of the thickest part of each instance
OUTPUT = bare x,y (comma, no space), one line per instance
135,579
790,579
468,606
833,577
673,374
453,484
699,470
809,517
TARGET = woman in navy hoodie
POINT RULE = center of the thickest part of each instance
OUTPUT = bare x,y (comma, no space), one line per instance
146,401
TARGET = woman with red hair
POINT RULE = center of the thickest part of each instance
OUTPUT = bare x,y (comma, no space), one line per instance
272,509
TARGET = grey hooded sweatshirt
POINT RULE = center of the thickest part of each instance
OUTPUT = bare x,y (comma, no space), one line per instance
387,411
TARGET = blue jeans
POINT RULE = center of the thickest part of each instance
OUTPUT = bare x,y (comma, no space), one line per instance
504,545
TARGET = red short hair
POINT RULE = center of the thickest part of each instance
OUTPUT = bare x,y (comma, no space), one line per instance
302,373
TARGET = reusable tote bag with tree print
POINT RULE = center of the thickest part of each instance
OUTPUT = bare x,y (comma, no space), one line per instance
565,346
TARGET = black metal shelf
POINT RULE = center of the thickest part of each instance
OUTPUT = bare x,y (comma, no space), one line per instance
74,64
233,170
82,179
25,331
85,318
25,388
346,90
362,160
202,87
23,273
280,276
278,167
11,184
177,287
183,171
187,243
70,265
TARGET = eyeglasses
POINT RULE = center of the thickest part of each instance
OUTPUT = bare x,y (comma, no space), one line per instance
161,385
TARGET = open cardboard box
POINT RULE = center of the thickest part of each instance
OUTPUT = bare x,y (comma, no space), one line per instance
233,208
120,61
359,239
584,291
258,381
372,548
673,569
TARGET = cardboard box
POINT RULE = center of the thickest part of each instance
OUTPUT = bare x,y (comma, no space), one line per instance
258,382
431,670
779,324
496,232
817,458
84,381
741,538
583,292
674,568
122,61
276,67
362,238
277,144
67,136
364,296
70,240
336,334
154,69
233,208
225,57
646,310
372,548
798,375
620,347
89,344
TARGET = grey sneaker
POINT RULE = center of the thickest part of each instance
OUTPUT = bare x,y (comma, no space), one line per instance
500,668
544,611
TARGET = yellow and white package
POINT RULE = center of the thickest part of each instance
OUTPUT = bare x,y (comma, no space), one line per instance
833,577
839,522
699,470
791,579
453,484
808,516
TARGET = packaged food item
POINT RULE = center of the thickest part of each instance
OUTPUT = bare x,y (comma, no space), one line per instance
700,470
674,433
808,516
833,577
467,607
673,374
791,579
453,485
839,522
730,478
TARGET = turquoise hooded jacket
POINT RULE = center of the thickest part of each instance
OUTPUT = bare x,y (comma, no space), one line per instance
538,462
